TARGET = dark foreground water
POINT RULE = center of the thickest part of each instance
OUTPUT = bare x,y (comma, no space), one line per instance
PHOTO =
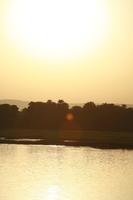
30,172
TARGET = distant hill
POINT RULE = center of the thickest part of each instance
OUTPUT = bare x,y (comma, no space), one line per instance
20,104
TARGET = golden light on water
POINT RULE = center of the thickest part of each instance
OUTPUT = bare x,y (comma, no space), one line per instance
46,172
57,29
53,193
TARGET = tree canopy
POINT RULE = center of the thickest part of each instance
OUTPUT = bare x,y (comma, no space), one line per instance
59,115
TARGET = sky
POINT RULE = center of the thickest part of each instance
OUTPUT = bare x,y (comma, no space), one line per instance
78,51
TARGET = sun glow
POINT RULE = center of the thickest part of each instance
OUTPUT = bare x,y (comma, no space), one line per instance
56,29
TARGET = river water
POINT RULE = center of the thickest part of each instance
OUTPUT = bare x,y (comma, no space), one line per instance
30,172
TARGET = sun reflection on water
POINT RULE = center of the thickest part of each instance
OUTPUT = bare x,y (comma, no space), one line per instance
53,192
64,173
43,191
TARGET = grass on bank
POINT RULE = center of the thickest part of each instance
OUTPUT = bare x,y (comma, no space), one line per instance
97,137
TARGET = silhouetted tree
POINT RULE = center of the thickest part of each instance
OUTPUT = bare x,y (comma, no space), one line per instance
8,116
53,116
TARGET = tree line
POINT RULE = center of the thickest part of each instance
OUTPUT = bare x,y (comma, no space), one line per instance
57,116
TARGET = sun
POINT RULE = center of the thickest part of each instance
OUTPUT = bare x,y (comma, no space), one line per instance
57,28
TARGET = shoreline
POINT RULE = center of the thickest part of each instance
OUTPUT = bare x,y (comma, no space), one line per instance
73,143
95,139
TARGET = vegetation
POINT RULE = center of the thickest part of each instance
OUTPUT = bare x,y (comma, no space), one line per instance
58,116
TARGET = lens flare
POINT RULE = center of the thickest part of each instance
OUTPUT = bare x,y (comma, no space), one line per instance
69,117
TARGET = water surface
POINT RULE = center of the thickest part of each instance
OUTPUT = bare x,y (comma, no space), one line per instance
31,172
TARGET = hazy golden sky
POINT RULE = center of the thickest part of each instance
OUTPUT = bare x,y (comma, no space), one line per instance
76,50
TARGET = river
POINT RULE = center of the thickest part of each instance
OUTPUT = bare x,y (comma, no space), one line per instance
31,172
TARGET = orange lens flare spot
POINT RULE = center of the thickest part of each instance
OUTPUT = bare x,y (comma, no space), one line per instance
69,117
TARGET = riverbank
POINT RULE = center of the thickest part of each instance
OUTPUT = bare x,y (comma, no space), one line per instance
96,139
